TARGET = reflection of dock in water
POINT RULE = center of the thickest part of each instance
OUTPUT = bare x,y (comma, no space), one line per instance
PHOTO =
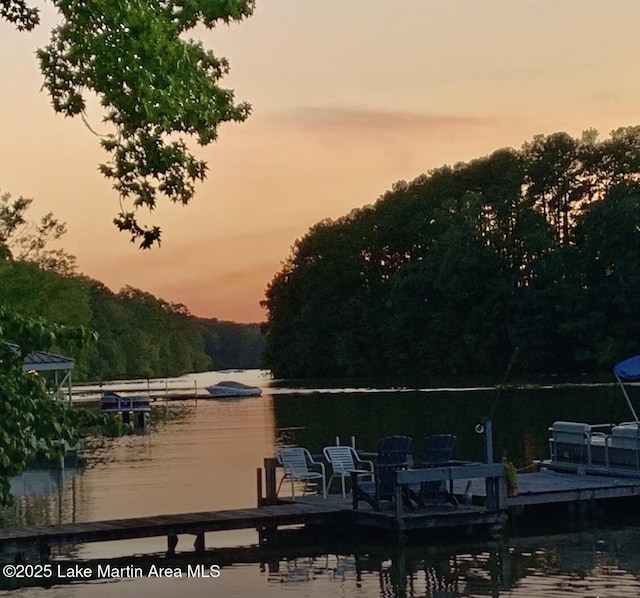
337,564
41,482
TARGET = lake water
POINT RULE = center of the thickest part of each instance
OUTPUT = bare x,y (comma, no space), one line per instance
202,455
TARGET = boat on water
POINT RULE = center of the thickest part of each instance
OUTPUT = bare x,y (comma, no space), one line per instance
609,449
230,388
112,402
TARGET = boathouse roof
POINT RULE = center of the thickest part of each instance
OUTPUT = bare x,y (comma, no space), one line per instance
42,360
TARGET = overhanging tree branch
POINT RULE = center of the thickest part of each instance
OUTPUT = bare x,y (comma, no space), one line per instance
159,91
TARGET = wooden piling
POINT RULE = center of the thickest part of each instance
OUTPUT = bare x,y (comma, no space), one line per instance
270,465
172,542
259,486
199,544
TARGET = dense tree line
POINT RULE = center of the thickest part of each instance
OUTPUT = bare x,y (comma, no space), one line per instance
537,248
138,335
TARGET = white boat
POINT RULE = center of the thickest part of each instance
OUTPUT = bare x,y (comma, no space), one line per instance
230,388
608,449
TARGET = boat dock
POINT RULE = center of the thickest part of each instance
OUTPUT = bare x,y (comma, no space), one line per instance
548,487
171,526
537,489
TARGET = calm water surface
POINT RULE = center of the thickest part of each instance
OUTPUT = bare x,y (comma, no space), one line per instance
202,455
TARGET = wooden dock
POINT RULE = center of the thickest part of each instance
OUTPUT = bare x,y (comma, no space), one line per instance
489,506
45,536
548,487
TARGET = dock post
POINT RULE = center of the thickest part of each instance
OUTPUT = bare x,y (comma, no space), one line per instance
493,497
397,498
267,535
172,542
354,491
259,486
496,489
270,481
488,440
45,551
199,544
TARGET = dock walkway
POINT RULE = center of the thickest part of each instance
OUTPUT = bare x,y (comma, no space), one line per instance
546,487
540,488
171,525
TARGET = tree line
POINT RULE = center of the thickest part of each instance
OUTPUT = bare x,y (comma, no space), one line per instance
138,335
536,249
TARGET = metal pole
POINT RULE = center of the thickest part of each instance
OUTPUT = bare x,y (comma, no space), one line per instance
488,440
626,396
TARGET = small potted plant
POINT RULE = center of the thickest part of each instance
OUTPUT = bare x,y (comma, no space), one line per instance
511,477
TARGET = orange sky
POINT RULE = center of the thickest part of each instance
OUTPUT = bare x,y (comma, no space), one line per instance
348,97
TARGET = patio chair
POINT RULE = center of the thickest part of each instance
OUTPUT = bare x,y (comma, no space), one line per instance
393,453
437,451
296,462
344,460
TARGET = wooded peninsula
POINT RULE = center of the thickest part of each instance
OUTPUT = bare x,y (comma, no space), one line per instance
536,249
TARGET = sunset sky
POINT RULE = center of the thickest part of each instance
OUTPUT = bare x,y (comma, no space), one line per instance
348,97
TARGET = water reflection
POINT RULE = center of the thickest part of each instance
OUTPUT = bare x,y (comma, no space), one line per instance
586,565
42,496
603,564
202,455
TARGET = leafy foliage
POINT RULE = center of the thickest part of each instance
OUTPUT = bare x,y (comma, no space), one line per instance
24,240
158,90
537,249
19,13
32,422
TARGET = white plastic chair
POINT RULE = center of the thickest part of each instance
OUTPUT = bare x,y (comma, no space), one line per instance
344,460
296,462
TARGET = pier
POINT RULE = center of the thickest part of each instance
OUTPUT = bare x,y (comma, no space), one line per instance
171,526
489,507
